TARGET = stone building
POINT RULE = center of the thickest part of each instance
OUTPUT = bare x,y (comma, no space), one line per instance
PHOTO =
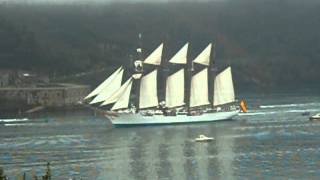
4,78
60,95
22,89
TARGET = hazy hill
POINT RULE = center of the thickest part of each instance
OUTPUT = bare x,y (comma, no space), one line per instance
270,43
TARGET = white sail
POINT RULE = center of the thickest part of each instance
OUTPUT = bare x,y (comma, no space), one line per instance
107,91
204,57
175,89
117,94
155,57
223,88
199,89
148,90
103,84
123,101
181,56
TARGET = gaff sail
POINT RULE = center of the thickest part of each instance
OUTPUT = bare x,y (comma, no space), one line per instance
199,89
223,88
148,90
175,89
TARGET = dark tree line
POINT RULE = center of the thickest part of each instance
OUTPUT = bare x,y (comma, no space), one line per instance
270,43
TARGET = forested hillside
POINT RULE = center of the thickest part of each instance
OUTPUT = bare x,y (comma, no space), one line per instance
270,43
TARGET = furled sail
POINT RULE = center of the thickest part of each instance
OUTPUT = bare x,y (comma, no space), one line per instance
103,84
117,94
223,88
204,57
155,57
123,101
181,56
199,89
107,91
148,90
175,89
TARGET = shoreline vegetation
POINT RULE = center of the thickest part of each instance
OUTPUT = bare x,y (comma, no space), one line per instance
271,45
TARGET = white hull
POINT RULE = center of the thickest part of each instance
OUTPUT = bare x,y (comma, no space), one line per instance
315,117
139,119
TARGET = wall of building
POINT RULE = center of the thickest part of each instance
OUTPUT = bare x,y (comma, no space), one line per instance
62,95
4,79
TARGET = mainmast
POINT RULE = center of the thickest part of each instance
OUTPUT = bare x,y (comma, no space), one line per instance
138,71
189,73
212,73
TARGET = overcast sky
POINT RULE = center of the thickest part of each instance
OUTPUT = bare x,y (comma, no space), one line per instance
59,1
91,1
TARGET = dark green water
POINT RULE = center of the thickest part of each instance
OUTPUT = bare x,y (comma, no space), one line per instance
273,141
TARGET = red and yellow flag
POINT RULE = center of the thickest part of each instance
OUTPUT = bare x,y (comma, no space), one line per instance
243,106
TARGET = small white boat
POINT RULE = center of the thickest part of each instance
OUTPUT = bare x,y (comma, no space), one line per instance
203,138
315,117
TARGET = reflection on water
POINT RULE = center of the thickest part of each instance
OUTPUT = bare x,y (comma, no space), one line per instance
225,155
282,144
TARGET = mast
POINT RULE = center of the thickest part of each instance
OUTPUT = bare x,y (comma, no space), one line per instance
189,73
212,73
138,70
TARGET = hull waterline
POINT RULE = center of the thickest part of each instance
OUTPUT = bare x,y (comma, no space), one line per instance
127,119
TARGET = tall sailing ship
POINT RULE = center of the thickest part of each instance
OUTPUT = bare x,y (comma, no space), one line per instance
187,91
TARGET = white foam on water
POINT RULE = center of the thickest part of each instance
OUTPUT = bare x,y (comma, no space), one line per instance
287,105
14,120
276,126
278,106
303,110
19,124
260,134
257,113
283,152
